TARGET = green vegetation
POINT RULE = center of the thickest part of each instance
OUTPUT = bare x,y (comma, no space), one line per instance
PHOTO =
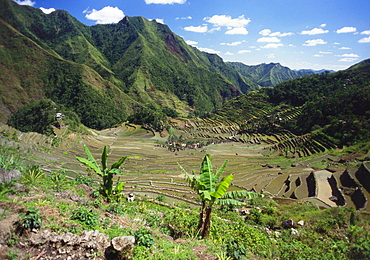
213,190
333,233
106,187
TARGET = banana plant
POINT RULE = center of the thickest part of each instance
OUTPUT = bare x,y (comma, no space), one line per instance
107,174
212,190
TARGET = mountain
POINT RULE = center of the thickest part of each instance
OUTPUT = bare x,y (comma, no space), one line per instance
267,75
307,114
105,73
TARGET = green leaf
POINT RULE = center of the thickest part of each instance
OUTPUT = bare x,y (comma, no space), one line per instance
241,194
104,157
116,165
90,164
206,175
233,202
205,195
222,187
220,171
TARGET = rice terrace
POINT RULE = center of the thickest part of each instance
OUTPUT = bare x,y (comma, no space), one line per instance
130,137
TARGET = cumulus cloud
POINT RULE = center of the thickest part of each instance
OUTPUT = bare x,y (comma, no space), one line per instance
348,55
165,2
106,15
190,42
226,20
344,48
241,30
325,52
279,34
184,18
346,30
272,45
268,39
47,10
25,2
348,59
208,50
314,42
244,51
199,29
159,20
232,43
366,32
315,31
229,53
267,32
323,25
317,55
364,40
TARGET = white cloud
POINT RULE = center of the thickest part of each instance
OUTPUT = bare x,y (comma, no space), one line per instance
364,40
159,20
366,32
325,52
106,15
272,45
184,18
215,29
348,59
315,31
199,29
271,56
317,55
164,2
346,30
323,25
190,42
344,48
226,20
25,2
229,53
232,43
314,42
265,32
268,39
239,30
47,11
208,50
244,51
348,55
279,34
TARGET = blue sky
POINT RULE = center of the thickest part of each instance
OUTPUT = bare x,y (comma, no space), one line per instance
309,34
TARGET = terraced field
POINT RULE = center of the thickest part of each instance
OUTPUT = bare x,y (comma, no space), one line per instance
152,169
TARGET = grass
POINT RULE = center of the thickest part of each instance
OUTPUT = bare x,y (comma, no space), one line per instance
56,204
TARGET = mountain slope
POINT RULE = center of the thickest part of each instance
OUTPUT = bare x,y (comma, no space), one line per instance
142,60
267,75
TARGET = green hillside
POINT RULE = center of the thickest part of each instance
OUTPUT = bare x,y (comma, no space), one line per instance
126,66
267,75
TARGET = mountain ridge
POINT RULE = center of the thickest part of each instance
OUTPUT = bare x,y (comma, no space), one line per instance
268,75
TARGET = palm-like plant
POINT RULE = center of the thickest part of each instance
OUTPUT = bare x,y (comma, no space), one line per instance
107,174
212,191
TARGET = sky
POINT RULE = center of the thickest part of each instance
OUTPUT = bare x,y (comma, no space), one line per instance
299,34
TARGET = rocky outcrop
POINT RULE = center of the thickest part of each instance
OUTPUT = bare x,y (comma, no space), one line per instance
88,245
8,176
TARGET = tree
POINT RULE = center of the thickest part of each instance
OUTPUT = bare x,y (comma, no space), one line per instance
212,190
106,188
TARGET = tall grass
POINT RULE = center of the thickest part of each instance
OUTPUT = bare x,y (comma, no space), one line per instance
10,161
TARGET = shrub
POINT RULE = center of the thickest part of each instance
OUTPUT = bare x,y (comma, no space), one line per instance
143,237
33,175
29,220
86,217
